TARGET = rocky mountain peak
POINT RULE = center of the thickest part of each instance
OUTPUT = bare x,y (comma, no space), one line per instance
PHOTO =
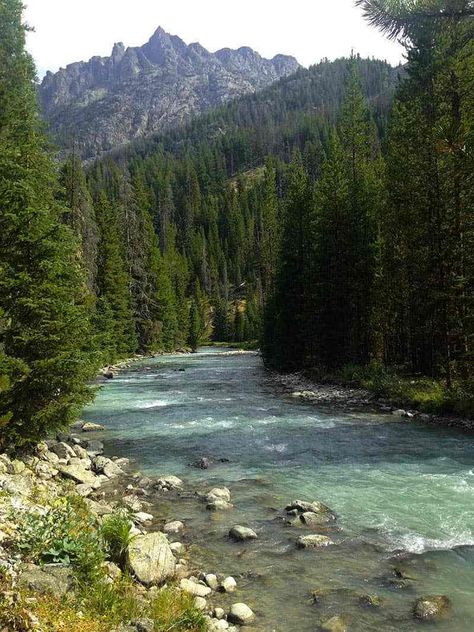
136,91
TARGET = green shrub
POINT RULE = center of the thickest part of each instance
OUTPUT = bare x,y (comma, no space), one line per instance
116,533
64,533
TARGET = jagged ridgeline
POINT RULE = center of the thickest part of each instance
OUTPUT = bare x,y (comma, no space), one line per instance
179,230
108,101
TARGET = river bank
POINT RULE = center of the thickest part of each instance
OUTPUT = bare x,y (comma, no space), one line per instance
350,398
82,549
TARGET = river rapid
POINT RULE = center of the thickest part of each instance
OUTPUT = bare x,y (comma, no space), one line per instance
403,491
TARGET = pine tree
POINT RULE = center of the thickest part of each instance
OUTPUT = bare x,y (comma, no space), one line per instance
45,330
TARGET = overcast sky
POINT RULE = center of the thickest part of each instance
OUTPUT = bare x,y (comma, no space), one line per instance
68,30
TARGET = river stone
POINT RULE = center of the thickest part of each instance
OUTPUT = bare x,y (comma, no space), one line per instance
310,519
5,465
45,470
200,603
313,541
228,585
334,624
194,588
432,608
150,559
241,614
91,427
178,548
170,482
78,474
141,517
242,534
111,470
18,466
99,509
304,506
50,457
218,493
212,581
63,450
173,527
216,625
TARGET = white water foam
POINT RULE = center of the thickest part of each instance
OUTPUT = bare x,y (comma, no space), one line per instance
157,403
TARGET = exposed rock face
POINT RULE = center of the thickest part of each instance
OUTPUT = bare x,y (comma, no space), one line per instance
108,101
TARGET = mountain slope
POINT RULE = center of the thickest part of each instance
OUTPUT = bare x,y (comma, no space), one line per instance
109,101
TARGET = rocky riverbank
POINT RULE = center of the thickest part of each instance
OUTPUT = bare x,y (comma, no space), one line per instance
77,529
350,399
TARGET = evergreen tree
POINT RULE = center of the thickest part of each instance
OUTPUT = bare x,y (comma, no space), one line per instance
45,328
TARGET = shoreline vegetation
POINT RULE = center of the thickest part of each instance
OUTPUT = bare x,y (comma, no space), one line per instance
80,547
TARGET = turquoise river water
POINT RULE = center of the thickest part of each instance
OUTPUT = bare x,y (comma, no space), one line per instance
403,492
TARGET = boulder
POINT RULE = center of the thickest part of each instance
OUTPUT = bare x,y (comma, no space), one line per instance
241,614
80,452
91,427
45,470
314,541
304,506
170,482
6,466
311,519
218,493
55,581
84,490
63,451
17,484
194,588
178,548
242,534
432,608
111,470
150,559
202,464
78,474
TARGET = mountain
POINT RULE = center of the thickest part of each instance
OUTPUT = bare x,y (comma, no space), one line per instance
108,101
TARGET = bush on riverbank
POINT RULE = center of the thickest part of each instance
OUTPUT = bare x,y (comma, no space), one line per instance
425,394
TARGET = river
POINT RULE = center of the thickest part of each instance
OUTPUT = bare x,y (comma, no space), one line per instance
403,491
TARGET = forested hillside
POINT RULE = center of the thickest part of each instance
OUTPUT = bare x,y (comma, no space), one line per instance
177,230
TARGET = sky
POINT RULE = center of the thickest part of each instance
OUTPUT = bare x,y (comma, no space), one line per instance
75,30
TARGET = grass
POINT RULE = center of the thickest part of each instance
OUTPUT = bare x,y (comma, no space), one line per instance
64,531
422,393
116,533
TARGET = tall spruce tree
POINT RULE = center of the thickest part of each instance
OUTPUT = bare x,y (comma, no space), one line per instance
45,329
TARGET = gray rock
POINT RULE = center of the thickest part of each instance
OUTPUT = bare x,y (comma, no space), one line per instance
228,585
58,581
170,483
242,534
311,507
91,427
150,559
314,541
194,588
173,527
212,581
311,519
111,470
78,474
93,448
432,608
241,614
218,493
63,451
17,484
80,452
200,603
